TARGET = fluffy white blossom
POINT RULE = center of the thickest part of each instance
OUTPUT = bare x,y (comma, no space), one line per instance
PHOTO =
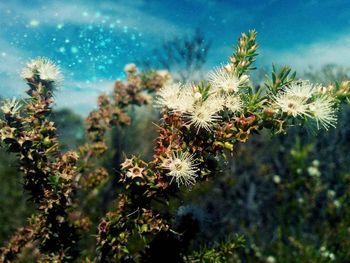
11,106
188,97
203,116
182,168
234,103
27,73
164,74
44,68
322,110
215,103
314,171
168,96
295,98
130,68
301,89
221,79
270,259
49,72
204,113
189,101
276,179
302,99
290,104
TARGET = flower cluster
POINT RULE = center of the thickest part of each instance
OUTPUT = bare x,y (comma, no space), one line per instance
43,69
302,99
201,105
48,174
200,124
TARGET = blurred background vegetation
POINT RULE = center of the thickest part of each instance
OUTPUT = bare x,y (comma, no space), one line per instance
288,195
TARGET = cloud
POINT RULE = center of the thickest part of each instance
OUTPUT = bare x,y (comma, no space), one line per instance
130,14
80,96
142,16
317,54
12,61
12,58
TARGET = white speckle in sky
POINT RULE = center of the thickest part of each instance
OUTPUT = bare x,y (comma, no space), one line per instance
34,23
74,49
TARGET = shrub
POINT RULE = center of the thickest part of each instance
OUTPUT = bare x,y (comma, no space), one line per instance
201,124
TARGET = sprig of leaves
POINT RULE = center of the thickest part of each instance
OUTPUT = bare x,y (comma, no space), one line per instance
279,78
245,53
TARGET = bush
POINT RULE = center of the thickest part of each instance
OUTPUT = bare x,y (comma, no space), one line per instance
201,124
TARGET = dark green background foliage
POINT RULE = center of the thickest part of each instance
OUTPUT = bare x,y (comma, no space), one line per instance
14,208
287,195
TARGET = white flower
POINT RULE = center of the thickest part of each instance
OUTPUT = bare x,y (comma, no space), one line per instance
291,104
188,100
322,110
270,259
276,179
185,98
168,96
337,204
164,74
234,103
205,114
130,68
331,193
34,64
327,254
302,99
300,200
197,95
11,107
27,73
48,71
178,97
313,171
295,98
301,89
216,103
182,168
316,163
44,68
221,79
188,96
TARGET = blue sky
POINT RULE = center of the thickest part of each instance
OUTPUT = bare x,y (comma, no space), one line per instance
93,40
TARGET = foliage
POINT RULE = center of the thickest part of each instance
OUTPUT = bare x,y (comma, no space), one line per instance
201,124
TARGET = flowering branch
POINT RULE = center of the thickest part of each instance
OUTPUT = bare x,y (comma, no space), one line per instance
48,174
200,124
